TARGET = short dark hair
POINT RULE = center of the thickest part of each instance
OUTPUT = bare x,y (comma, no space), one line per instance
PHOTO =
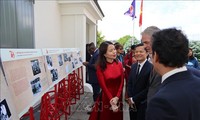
92,45
140,44
171,46
118,46
132,47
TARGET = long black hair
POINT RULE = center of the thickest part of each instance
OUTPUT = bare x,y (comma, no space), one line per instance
102,50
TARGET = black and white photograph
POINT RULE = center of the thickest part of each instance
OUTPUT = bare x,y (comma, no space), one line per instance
4,111
75,61
36,86
54,74
65,57
49,62
60,61
35,67
78,53
73,65
80,59
69,58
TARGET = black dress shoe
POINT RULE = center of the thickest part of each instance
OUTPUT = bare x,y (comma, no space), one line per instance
89,112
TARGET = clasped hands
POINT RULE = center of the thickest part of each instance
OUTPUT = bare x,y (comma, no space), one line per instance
113,103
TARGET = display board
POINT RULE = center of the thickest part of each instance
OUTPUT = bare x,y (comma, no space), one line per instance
76,56
67,55
55,67
25,76
29,73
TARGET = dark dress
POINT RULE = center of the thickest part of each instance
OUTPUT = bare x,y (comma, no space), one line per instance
111,81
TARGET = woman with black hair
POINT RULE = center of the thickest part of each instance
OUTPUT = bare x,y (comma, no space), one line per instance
111,79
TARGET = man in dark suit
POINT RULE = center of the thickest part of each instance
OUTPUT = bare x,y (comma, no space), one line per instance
138,83
194,71
92,70
88,56
155,78
179,94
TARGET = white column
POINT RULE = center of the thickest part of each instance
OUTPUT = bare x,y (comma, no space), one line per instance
92,33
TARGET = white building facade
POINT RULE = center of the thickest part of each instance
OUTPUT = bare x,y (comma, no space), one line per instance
53,24
66,24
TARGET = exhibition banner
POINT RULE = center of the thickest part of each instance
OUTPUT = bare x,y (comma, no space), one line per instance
29,73
25,76
76,56
54,62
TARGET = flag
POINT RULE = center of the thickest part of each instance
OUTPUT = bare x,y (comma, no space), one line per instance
141,10
131,10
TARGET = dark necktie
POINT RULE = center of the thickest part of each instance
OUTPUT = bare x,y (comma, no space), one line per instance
138,70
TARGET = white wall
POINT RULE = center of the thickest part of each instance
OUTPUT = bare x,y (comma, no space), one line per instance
54,28
65,24
47,24
74,31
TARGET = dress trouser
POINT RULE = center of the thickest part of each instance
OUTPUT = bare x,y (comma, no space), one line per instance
140,113
96,90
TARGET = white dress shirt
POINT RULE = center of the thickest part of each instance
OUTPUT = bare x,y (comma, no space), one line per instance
172,72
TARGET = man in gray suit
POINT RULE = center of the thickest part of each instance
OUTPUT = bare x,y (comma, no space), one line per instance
155,78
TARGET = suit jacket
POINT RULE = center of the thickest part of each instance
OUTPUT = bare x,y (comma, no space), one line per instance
177,99
194,71
138,88
92,69
155,81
